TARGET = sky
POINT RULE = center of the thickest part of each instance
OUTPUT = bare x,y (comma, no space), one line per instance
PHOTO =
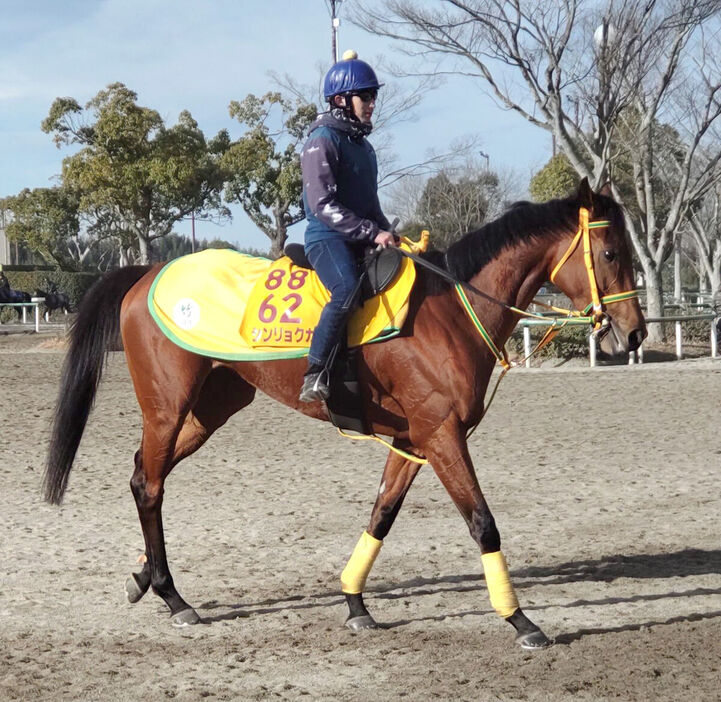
199,55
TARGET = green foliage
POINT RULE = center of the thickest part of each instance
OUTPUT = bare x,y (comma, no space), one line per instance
252,251
44,219
696,332
173,246
133,176
667,148
556,179
217,244
412,230
263,166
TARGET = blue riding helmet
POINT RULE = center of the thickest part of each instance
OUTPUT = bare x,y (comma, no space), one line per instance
349,75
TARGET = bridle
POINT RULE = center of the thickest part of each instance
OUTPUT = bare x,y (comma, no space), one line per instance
597,304
599,318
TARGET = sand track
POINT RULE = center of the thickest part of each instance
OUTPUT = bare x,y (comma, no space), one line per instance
604,485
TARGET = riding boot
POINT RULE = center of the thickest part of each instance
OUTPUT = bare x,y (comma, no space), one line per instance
316,384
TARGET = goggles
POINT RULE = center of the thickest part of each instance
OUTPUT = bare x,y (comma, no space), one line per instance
366,95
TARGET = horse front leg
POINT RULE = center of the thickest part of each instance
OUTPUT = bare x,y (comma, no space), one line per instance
398,476
448,454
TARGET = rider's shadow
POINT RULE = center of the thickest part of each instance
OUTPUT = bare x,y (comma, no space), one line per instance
679,564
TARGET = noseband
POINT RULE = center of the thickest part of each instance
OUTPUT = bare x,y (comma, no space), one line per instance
599,316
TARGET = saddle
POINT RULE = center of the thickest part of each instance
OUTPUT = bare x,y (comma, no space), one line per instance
380,267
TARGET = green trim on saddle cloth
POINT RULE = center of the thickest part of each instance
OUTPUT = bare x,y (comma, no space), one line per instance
234,307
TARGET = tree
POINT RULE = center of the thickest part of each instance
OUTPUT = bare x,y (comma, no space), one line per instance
450,207
134,176
46,220
263,166
453,201
175,245
599,92
556,179
705,227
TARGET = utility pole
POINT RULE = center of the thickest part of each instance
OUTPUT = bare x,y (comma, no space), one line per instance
335,23
4,244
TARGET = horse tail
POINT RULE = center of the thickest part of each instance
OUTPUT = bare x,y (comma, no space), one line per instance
93,333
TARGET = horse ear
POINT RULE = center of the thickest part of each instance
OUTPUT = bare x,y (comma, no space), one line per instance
606,189
585,194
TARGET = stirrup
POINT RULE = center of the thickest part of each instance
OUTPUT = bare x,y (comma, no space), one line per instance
315,387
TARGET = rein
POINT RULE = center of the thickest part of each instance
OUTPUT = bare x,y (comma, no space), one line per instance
597,303
598,318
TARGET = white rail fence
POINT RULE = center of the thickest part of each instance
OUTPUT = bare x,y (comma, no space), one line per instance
633,356
33,306
526,324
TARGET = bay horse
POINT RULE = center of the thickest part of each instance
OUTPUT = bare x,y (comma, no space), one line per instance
424,388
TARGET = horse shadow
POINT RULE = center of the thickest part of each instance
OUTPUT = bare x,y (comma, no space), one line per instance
684,563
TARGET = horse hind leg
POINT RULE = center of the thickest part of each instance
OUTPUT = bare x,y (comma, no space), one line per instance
398,476
222,394
152,466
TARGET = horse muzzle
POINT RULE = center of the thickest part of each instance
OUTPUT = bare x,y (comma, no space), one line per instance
614,340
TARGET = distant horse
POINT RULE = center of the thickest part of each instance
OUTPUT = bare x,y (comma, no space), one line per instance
53,299
7,294
425,387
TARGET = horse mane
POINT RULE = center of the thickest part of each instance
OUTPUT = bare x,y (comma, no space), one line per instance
522,221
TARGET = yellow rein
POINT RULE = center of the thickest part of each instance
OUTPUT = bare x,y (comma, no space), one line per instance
501,354
596,304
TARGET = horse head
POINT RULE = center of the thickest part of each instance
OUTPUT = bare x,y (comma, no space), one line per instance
595,270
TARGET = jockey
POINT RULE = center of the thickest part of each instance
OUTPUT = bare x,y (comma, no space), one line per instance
340,197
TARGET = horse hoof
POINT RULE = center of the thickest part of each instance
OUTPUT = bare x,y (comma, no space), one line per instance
133,590
187,617
360,623
533,641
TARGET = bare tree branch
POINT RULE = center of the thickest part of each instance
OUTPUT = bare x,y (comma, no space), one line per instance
604,79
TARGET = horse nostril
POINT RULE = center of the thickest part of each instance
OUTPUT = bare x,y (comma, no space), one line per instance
635,339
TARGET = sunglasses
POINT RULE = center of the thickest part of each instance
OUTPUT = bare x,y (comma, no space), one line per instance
366,95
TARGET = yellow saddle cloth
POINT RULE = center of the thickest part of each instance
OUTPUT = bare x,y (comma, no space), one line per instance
228,305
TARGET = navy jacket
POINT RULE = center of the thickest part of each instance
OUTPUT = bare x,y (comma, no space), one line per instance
340,183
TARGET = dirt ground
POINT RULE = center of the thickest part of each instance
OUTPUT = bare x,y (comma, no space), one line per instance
604,484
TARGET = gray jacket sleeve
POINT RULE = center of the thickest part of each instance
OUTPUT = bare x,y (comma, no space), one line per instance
319,164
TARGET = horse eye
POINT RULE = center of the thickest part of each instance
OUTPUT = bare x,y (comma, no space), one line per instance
610,255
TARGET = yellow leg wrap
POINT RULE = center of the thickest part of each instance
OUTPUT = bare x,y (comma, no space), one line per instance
353,577
500,589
